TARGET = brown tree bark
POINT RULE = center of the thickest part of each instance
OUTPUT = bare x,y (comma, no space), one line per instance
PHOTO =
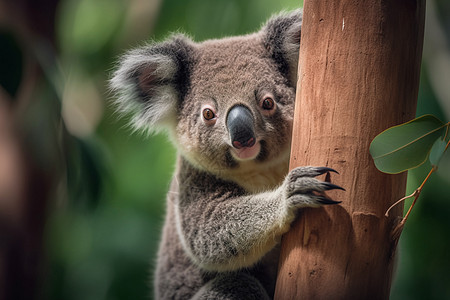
358,75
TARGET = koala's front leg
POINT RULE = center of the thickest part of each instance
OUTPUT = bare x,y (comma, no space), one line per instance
223,229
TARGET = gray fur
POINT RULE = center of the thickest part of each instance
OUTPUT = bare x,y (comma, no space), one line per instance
225,216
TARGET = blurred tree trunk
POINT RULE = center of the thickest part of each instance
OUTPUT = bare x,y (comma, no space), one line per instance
25,182
358,75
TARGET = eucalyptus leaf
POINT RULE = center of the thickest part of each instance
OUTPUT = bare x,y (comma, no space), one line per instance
437,151
405,146
444,166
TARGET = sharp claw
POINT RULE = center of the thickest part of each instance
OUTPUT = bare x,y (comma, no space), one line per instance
330,186
327,201
322,170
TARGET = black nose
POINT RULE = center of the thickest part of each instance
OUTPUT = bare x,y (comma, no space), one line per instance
240,126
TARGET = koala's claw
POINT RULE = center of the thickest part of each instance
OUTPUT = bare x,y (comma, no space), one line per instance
312,171
329,186
303,190
323,170
327,201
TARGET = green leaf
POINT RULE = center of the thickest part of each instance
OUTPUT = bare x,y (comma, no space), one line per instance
437,151
444,166
405,146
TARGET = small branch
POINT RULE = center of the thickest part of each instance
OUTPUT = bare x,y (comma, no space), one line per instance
415,194
446,133
399,228
446,146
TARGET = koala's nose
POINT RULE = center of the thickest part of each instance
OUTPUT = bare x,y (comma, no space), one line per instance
240,126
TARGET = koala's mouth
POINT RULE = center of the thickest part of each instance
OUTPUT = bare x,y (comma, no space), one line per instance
246,153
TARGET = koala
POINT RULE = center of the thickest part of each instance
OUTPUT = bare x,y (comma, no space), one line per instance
227,105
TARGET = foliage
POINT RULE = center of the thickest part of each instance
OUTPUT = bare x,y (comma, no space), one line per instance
408,145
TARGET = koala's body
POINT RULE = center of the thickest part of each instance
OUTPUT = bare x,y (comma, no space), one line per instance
227,105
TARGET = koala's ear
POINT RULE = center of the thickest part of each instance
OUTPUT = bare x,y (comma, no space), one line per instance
281,37
151,81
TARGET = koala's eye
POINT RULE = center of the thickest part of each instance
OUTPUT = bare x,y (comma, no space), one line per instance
268,103
208,114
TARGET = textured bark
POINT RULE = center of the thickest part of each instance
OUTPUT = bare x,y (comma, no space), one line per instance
358,75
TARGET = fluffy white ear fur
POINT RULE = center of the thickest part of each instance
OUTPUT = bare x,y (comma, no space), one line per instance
143,86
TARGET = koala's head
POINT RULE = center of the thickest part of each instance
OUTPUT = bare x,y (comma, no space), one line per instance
226,103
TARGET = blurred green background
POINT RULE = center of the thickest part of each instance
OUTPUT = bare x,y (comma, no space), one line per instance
105,186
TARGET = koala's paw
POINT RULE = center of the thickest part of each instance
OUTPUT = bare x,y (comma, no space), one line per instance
303,190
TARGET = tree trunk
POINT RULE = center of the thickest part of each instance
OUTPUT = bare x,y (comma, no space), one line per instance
358,75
